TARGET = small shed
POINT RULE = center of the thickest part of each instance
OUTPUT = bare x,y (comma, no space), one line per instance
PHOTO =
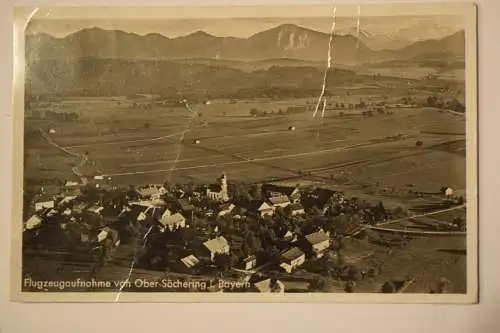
291,128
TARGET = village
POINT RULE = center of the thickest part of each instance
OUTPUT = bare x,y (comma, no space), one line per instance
257,233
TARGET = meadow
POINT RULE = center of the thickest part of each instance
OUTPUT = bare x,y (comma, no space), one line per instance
177,144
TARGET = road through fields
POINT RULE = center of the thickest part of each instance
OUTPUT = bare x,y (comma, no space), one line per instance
248,160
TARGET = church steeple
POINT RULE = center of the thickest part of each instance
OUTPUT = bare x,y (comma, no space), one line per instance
223,185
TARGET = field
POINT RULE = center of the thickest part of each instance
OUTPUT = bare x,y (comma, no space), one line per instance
156,145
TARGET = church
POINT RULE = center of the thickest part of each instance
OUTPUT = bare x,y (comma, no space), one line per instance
218,191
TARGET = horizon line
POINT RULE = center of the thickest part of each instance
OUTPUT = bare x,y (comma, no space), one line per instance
204,32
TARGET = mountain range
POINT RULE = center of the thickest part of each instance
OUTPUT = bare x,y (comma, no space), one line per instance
285,41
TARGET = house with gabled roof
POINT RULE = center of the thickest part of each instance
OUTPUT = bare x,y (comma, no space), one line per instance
33,222
152,191
262,208
249,262
272,190
172,221
225,209
44,204
269,285
318,242
292,259
190,264
279,201
218,245
321,199
295,209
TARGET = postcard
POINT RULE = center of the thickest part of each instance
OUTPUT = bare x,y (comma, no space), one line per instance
270,153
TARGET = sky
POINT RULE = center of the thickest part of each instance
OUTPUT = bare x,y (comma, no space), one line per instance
410,28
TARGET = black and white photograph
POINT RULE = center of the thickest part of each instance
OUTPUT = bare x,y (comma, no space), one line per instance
270,153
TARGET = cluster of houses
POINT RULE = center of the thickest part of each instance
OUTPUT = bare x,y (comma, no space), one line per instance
149,205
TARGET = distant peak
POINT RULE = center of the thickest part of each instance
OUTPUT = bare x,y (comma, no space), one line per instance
199,33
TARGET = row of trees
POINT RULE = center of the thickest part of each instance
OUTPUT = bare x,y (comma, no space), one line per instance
254,112
60,116
452,104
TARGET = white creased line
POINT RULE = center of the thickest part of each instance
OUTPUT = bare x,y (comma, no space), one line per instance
329,61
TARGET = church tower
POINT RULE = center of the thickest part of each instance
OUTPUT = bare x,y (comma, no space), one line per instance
223,185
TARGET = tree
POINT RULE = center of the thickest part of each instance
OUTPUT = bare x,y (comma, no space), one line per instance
222,261
460,223
241,193
354,274
419,143
146,125
318,283
380,212
254,112
431,101
256,192
349,287
389,287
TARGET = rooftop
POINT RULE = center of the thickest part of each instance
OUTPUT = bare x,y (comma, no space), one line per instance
317,237
269,285
292,254
250,258
216,244
190,261
285,190
296,207
279,200
171,220
226,206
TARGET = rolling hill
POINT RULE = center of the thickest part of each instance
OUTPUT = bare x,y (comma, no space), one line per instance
118,77
285,41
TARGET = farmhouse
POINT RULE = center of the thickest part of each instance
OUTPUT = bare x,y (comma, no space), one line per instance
321,199
249,262
271,190
270,286
66,200
190,264
152,191
33,222
41,205
318,243
96,209
292,259
218,192
225,209
217,245
289,236
264,209
70,183
279,201
296,209
172,222
108,233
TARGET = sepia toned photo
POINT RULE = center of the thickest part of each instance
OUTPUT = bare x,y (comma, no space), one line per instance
246,153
